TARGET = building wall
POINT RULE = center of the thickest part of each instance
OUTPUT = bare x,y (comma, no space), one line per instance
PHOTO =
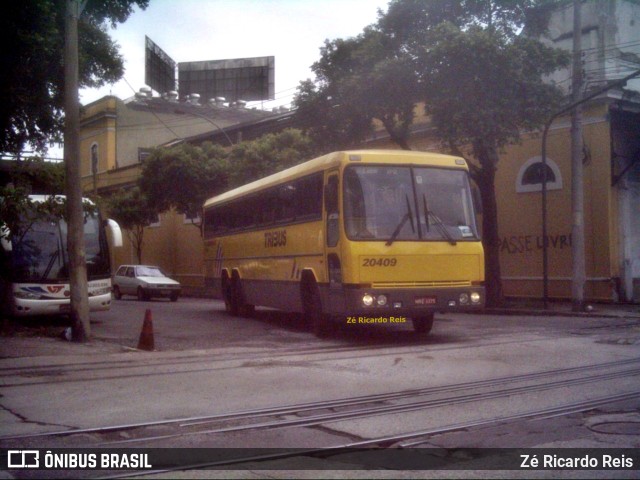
118,132
609,41
98,130
520,214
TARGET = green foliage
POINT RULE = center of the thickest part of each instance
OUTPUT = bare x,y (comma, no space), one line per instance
32,81
130,208
268,154
358,79
479,84
183,177
133,212
29,176
35,175
18,212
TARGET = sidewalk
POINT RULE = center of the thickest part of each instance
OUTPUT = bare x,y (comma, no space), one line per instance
535,307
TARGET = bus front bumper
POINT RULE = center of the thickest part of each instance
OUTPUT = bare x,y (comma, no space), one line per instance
407,301
30,308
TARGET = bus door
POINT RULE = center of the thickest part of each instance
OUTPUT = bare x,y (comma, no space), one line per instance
332,242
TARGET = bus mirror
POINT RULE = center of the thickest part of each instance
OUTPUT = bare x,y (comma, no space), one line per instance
116,233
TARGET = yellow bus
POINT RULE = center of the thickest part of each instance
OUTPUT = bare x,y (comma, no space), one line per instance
360,237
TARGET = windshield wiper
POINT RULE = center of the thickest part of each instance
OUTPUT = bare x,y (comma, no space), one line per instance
407,216
438,222
54,256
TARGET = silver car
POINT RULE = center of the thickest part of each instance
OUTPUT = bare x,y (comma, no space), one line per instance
144,281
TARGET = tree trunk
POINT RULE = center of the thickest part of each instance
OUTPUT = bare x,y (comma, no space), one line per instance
75,237
488,158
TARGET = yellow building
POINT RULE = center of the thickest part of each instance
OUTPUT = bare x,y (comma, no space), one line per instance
116,135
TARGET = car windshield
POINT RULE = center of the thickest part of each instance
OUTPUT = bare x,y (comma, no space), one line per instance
408,203
149,272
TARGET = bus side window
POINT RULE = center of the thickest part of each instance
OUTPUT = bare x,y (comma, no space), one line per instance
308,197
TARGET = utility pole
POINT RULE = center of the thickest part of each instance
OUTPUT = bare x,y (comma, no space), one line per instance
577,181
75,217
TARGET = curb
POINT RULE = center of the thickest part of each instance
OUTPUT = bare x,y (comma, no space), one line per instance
559,313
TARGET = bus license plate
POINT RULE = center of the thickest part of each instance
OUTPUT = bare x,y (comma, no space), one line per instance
425,300
65,308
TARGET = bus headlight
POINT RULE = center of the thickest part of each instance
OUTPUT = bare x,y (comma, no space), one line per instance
475,297
367,300
381,300
464,298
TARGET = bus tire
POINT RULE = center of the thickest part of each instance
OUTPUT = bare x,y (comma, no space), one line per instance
116,293
312,307
242,308
423,324
229,295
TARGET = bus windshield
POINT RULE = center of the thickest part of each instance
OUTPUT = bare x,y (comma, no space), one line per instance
39,252
408,203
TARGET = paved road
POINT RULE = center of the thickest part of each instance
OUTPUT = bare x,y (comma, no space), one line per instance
471,369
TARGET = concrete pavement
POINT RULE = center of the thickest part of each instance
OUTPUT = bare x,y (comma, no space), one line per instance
48,341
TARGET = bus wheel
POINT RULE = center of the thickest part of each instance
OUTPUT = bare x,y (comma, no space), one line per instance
229,292
423,324
240,305
116,293
313,311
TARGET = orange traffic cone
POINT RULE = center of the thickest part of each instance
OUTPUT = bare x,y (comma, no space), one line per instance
146,336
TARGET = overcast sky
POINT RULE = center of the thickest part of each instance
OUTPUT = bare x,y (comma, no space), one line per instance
194,30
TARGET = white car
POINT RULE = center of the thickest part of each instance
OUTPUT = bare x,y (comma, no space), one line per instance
144,281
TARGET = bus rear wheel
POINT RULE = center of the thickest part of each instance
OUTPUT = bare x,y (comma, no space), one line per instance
423,324
312,305
234,299
229,293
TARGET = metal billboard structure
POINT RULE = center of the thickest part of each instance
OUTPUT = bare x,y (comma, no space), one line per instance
160,69
249,79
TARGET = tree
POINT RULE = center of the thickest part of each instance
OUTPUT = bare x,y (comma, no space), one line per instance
183,177
268,154
469,61
358,80
32,80
31,175
482,87
133,211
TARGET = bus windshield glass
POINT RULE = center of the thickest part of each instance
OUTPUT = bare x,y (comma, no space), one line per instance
39,252
394,203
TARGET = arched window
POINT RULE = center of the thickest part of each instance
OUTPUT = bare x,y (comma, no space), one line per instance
530,176
94,158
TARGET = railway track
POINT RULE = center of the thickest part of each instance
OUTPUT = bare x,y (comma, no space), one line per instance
394,447
112,369
315,414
